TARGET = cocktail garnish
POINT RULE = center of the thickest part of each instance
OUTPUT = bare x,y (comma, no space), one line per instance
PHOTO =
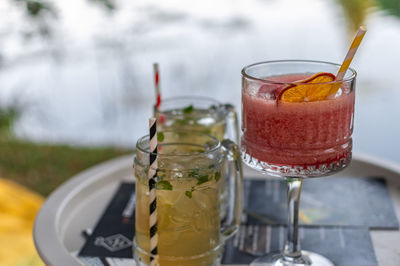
318,92
202,179
304,92
160,136
188,110
164,185
188,194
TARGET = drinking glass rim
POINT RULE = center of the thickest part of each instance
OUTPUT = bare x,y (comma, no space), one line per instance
248,76
170,100
188,97
211,150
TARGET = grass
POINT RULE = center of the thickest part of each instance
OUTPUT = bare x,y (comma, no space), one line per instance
43,167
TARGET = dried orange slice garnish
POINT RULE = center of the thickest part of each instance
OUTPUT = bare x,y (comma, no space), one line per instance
309,93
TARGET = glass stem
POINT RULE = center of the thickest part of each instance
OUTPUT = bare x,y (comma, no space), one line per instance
292,249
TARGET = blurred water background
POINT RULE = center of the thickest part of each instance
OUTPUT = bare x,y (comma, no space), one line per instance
80,71
76,79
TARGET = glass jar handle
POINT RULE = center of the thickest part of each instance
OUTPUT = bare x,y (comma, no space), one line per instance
234,122
235,188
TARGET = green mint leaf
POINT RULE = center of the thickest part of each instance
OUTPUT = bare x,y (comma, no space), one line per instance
188,110
188,194
202,179
160,137
164,185
217,176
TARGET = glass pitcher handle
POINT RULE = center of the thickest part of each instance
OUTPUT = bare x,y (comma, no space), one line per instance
234,122
234,212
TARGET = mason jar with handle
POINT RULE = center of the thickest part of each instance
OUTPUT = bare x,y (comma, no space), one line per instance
191,167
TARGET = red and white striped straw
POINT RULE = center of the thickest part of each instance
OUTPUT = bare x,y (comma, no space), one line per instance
352,51
153,167
157,85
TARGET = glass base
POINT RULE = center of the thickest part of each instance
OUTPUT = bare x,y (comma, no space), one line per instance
307,258
303,170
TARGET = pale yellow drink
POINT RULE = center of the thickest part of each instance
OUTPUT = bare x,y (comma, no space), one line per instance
188,207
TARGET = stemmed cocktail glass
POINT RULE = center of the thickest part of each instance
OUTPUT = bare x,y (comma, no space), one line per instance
301,134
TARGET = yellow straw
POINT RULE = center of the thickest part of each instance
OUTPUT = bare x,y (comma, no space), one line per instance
350,54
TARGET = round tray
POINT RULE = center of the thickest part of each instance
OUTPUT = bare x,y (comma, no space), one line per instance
79,203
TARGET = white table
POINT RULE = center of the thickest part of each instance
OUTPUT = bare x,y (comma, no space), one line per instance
79,203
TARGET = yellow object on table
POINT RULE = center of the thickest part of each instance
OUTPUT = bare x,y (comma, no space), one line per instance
18,209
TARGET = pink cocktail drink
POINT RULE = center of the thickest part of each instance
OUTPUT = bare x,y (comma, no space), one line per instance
309,138
296,133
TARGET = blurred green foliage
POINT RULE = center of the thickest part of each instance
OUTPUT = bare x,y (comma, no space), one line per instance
37,8
7,117
43,167
355,12
108,4
391,6
41,13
